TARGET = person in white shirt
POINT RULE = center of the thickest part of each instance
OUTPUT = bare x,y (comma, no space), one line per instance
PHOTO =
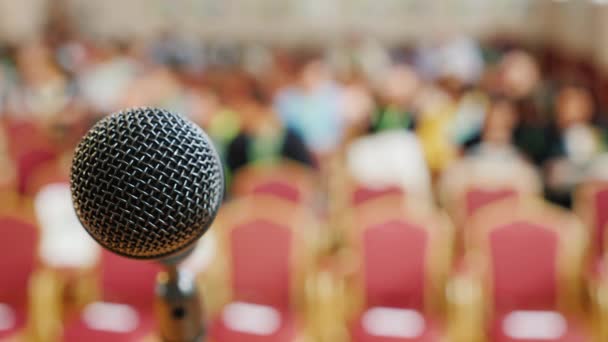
493,162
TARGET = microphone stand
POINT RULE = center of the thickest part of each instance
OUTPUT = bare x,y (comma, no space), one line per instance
178,306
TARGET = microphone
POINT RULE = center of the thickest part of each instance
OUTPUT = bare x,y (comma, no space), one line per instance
147,184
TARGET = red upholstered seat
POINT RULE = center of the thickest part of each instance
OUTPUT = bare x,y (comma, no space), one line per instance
601,218
261,263
127,280
362,194
591,204
17,261
525,252
45,174
261,272
280,189
286,180
19,132
29,161
123,282
394,257
522,245
477,198
396,254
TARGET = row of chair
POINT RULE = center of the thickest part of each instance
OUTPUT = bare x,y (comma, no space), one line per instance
522,273
376,266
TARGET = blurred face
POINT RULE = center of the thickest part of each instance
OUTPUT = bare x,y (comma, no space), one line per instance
357,103
313,74
428,98
400,84
34,63
205,105
258,120
574,106
500,123
519,74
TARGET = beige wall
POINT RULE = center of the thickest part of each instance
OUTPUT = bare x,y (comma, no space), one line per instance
21,19
599,36
579,26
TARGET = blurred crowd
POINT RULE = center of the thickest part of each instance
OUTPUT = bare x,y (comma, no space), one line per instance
343,124
456,103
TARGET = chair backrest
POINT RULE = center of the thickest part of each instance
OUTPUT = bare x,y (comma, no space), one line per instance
285,180
17,131
532,255
362,194
280,189
404,253
591,204
261,255
476,197
601,218
262,246
29,161
45,174
394,264
524,266
18,248
127,281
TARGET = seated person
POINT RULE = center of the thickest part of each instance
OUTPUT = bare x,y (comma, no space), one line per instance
519,79
357,108
437,112
392,158
576,142
311,107
396,93
42,90
493,161
264,139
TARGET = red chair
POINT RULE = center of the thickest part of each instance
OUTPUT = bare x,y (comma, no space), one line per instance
29,161
44,174
125,311
279,189
530,257
475,181
477,198
18,248
24,136
260,263
404,256
591,204
362,194
287,180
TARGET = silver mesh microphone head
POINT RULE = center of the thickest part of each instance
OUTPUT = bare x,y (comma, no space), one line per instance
146,183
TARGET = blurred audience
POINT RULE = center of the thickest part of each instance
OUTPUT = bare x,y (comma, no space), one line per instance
441,102
435,122
494,161
311,106
395,110
264,139
575,144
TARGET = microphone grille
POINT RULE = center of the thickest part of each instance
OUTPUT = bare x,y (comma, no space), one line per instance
146,183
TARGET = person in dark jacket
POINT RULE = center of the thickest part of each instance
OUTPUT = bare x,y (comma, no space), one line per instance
263,139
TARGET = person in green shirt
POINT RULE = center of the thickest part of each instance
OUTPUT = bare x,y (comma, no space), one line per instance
263,139
395,98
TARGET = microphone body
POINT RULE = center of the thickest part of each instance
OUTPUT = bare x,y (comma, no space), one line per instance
147,184
178,307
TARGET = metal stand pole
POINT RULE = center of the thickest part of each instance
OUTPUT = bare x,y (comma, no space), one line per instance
178,306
